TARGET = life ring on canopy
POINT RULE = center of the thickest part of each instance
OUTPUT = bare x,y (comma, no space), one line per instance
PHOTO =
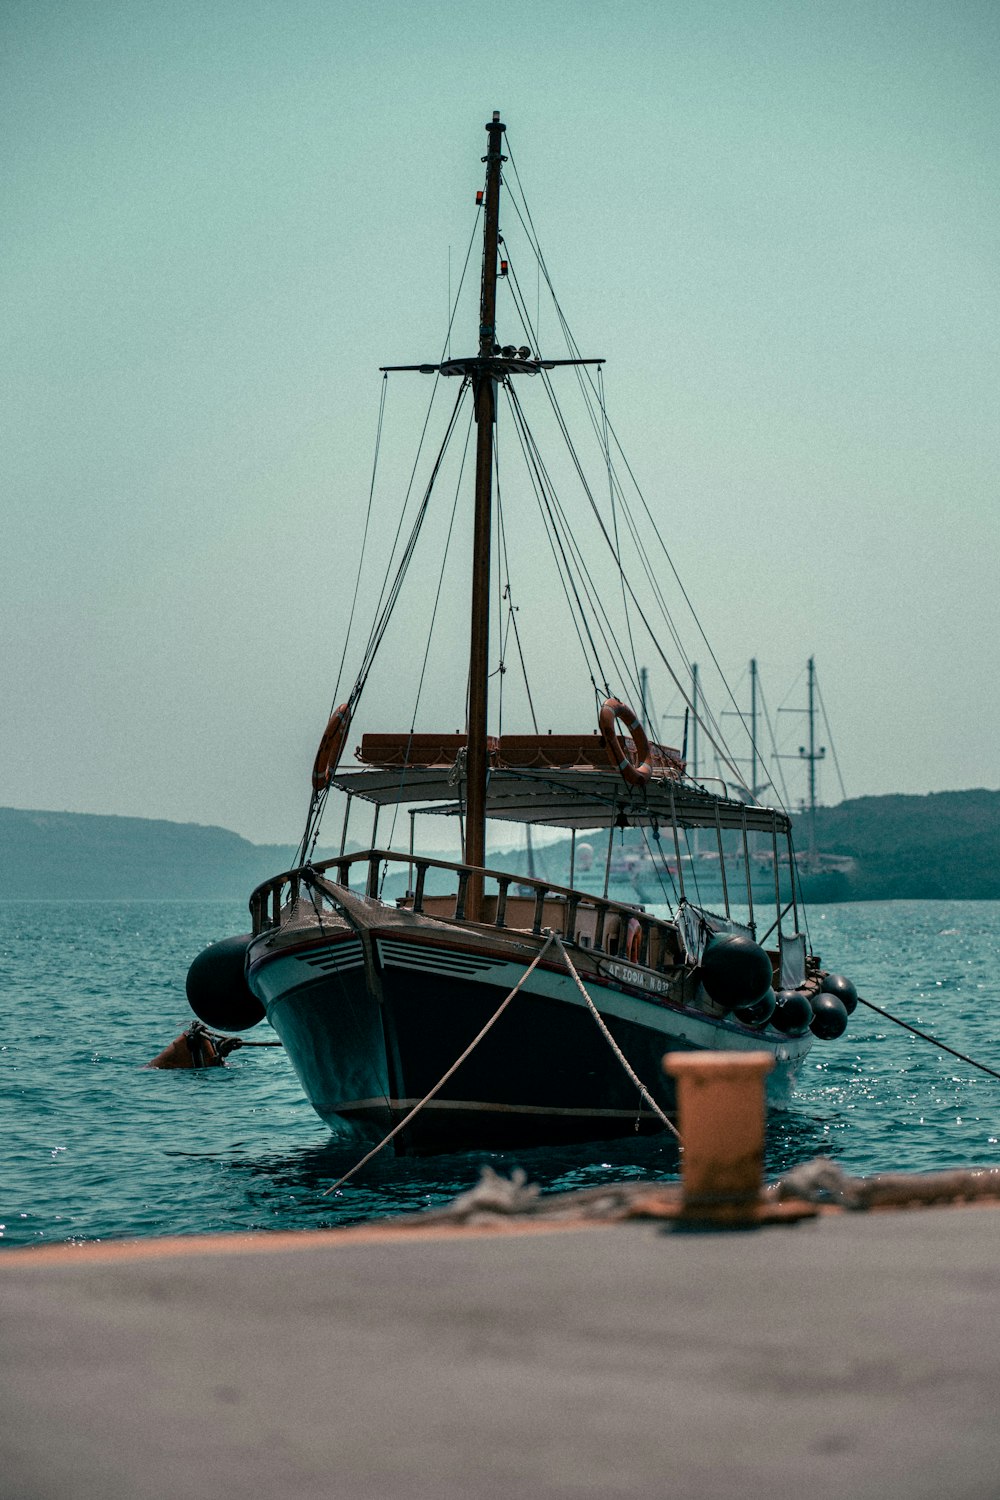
634,772
331,747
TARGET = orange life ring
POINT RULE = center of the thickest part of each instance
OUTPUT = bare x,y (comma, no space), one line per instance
634,772
633,940
331,747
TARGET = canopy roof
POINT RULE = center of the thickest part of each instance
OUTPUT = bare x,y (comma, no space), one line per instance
583,794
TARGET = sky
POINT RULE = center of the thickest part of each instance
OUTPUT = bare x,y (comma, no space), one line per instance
779,224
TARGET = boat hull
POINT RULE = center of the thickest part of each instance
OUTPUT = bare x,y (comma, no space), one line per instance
371,1023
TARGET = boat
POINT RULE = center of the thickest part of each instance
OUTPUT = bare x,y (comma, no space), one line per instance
458,1004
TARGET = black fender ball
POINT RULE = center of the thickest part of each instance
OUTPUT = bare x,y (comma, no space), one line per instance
759,1013
829,1016
845,991
217,988
735,970
792,1013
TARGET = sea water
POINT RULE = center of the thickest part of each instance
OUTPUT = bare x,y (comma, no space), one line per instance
95,1146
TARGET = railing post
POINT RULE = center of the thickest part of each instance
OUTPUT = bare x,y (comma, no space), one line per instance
601,918
293,889
418,894
371,885
344,871
463,891
276,904
572,907
502,888
540,894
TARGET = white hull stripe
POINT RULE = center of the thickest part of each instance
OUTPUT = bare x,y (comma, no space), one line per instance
431,960
334,958
477,1106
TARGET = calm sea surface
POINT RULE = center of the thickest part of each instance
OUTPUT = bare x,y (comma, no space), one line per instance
96,1147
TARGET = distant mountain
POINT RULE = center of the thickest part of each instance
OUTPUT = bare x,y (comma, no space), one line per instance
945,844
90,856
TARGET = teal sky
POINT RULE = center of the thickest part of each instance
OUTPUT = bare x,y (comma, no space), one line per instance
779,222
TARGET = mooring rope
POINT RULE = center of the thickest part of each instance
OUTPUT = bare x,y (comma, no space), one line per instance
451,1071
643,1090
932,1039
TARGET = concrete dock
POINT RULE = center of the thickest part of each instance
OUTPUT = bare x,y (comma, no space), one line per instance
851,1356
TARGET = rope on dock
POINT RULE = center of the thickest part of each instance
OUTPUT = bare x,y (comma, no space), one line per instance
823,1181
932,1039
643,1090
452,1070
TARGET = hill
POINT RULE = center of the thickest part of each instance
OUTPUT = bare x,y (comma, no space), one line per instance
90,856
945,844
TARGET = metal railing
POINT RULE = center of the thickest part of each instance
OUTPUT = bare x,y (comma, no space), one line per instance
565,904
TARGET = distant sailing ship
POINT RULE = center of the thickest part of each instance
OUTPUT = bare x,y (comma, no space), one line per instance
483,1006
652,873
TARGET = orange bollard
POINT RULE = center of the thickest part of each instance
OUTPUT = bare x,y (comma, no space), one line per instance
720,1100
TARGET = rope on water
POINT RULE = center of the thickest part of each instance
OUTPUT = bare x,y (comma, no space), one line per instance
452,1070
932,1039
643,1090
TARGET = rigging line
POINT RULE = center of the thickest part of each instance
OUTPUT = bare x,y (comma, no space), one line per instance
451,1071
382,621
715,738
673,568
580,624
693,866
571,448
783,705
524,666
402,513
661,868
581,373
575,558
461,282
706,717
614,520
317,801
502,635
829,735
511,611
577,614
926,1037
364,542
532,237
430,629
786,800
423,434
614,485
595,600
535,244
587,392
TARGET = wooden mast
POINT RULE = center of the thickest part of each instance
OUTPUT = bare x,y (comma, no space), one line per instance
485,399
